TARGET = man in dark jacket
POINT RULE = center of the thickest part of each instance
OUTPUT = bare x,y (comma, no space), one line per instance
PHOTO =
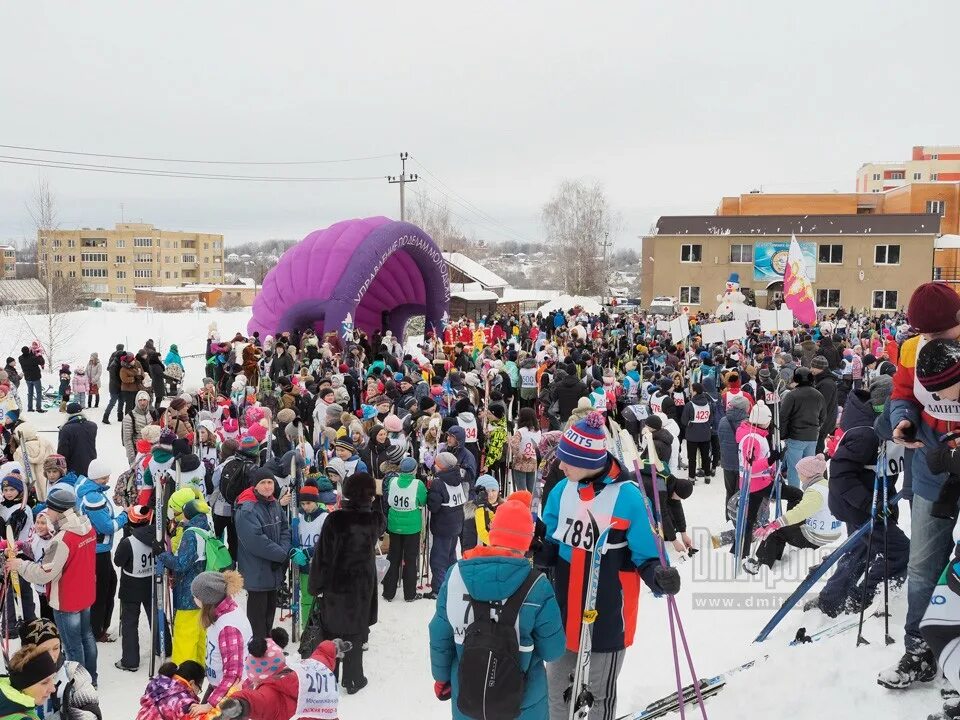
31,366
456,437
700,420
826,384
801,415
264,544
566,392
77,441
830,352
445,499
113,385
737,412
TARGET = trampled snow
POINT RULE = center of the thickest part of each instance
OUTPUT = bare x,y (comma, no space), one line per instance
822,681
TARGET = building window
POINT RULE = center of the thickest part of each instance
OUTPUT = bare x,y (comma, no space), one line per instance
143,273
121,290
121,274
168,275
917,176
93,242
691,253
189,259
58,274
142,242
934,157
690,294
934,176
94,272
143,258
56,244
71,243
936,206
206,274
93,257
830,254
121,243
741,253
897,175
887,255
71,258
72,273
884,299
121,259
206,246
876,176
828,298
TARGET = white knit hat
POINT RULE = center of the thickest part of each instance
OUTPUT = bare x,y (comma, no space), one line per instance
760,415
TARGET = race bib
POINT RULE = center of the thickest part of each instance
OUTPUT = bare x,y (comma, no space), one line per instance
701,414
318,691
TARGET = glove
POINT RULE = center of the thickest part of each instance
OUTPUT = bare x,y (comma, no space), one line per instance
428,460
299,557
233,708
159,548
442,690
122,519
343,647
775,455
668,580
761,532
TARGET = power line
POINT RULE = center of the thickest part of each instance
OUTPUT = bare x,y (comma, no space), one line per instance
489,225
466,203
472,221
198,162
148,172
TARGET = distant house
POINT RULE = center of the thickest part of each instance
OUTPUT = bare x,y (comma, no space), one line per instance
233,257
464,271
22,293
178,298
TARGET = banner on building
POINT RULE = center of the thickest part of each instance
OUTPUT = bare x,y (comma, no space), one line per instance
770,260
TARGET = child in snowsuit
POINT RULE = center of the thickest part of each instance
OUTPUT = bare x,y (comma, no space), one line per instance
306,532
171,694
487,494
80,385
188,561
405,496
134,557
64,390
807,523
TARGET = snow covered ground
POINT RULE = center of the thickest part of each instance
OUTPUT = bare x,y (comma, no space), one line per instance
822,681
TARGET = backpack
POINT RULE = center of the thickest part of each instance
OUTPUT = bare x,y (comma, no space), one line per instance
233,480
215,553
490,679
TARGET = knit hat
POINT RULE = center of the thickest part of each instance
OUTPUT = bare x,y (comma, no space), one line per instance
61,498
286,416
178,404
360,488
74,408
143,395
583,445
869,359
139,515
408,465
938,364
336,466
150,433
393,423
334,410
210,588
194,508
394,454
819,362
258,432
487,483
167,438
810,467
249,446
259,668
512,527
345,444
880,390
447,459
934,307
292,430
98,469
368,412
39,631
55,462
760,414
654,422
738,401
12,481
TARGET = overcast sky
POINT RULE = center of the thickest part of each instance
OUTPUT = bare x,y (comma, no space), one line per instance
669,104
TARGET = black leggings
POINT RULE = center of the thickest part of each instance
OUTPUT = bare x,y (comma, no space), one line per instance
261,611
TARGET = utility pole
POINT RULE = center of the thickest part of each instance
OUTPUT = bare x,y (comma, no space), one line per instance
403,179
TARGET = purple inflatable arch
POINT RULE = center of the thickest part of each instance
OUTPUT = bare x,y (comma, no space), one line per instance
379,271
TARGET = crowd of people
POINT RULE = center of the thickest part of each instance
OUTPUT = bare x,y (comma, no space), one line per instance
321,475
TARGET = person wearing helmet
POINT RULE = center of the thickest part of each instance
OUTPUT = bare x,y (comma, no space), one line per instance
802,414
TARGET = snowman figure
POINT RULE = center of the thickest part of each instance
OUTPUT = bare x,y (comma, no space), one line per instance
732,300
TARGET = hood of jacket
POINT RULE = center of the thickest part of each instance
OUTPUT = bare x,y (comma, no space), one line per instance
450,477
737,415
857,411
13,702
700,400
250,496
161,688
709,386
858,446
496,577
72,521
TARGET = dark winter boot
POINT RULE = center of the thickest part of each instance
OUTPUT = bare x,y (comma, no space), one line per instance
912,668
98,400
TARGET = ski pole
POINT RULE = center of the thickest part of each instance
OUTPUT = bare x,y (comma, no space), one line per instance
861,640
886,565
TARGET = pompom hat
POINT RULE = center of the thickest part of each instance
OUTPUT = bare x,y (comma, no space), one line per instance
583,445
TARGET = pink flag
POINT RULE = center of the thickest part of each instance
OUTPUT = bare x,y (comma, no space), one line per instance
797,291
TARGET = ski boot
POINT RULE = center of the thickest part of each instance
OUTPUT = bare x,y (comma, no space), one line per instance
912,668
751,565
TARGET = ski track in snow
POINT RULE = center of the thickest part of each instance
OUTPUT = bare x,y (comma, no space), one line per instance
821,681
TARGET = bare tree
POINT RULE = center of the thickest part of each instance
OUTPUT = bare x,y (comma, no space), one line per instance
577,220
435,218
61,292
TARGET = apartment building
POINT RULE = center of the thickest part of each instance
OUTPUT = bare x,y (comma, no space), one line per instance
859,261
9,262
928,163
112,264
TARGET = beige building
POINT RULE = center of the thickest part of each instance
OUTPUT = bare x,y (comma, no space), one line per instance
928,163
112,264
859,261
9,262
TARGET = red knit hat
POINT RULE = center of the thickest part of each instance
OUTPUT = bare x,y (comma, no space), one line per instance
934,307
512,527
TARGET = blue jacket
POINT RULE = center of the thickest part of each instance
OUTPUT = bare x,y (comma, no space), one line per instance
264,539
727,431
186,564
445,521
93,502
491,578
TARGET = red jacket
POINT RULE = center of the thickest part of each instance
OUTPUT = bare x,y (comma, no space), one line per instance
276,697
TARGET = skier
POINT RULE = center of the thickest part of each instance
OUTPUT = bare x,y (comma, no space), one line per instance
596,481
135,558
406,497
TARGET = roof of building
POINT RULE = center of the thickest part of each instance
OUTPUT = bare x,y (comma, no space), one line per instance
512,295
168,290
18,292
869,224
474,270
474,295
947,242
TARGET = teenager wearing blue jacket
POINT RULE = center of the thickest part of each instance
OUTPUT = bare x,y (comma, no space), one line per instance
493,574
94,501
596,482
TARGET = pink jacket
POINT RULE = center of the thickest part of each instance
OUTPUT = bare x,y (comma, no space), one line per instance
80,383
755,451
